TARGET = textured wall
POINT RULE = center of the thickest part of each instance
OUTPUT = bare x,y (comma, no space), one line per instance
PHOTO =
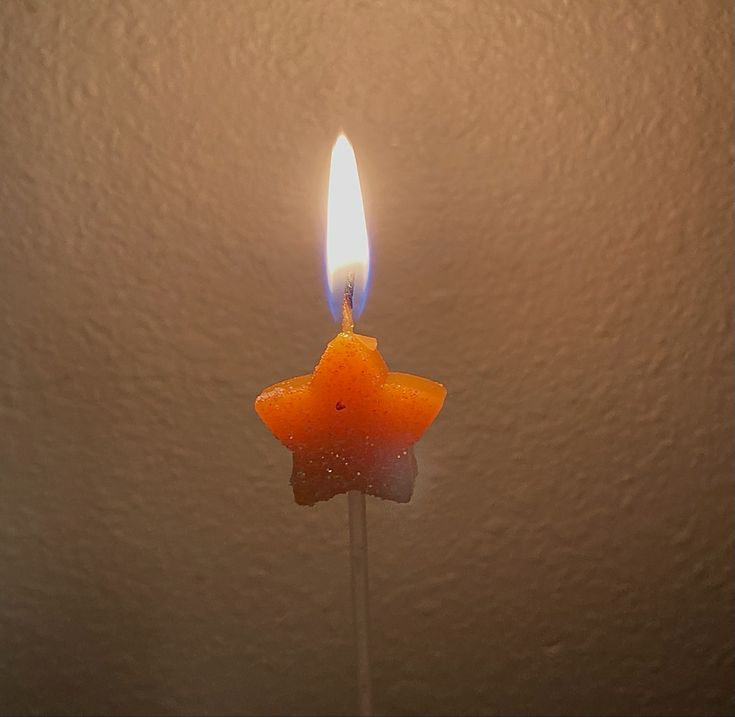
548,191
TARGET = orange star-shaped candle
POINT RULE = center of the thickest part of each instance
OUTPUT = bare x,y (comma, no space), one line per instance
352,423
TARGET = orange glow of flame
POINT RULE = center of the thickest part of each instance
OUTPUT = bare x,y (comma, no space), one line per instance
348,251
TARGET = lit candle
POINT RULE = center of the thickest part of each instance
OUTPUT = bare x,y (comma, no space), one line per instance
352,423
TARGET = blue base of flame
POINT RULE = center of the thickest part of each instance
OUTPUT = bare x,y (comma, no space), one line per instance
334,288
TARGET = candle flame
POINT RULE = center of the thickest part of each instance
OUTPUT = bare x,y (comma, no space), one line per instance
347,243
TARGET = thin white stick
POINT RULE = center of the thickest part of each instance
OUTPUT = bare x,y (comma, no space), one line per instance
360,601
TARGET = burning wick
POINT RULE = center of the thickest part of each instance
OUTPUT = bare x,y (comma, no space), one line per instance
347,322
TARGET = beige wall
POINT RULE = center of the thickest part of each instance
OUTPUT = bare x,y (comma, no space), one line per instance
548,188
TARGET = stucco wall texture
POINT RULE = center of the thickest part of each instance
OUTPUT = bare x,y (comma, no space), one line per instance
548,190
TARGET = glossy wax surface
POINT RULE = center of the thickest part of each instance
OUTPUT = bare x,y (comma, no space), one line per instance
352,423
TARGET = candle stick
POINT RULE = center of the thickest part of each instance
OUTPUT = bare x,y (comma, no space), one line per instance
360,598
358,557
